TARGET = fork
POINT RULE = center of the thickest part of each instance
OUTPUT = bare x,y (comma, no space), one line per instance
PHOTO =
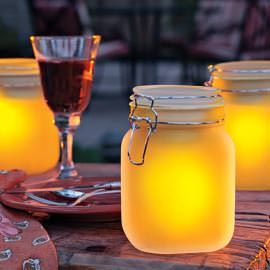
76,202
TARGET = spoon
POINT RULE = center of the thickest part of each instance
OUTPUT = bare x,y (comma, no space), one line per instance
73,194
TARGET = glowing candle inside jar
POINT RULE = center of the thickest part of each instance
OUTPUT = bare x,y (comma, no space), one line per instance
172,202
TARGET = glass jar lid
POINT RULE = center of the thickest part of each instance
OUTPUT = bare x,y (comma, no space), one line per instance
241,70
18,66
176,97
19,72
176,105
243,77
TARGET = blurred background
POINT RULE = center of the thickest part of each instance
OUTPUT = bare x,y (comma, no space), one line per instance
144,42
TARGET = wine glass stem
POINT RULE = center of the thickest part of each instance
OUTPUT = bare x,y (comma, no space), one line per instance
66,150
67,124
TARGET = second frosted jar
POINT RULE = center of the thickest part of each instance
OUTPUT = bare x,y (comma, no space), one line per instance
245,86
28,137
177,171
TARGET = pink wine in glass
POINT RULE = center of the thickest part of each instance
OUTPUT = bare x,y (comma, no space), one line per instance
66,84
66,71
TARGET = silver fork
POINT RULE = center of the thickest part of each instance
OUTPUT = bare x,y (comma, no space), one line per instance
79,200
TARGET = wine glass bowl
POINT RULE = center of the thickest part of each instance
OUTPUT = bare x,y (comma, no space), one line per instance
66,71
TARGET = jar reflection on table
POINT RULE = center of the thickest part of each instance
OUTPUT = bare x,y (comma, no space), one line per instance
246,90
28,137
181,199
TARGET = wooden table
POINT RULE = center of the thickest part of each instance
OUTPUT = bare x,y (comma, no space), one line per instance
103,246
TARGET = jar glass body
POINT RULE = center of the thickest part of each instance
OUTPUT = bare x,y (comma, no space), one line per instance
28,138
181,199
248,123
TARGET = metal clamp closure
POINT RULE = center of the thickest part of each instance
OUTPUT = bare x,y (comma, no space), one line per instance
152,126
211,69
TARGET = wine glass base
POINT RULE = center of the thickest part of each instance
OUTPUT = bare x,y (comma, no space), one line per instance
69,174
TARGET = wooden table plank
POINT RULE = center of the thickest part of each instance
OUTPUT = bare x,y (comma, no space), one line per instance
103,246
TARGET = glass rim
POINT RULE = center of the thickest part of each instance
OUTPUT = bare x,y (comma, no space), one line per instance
96,37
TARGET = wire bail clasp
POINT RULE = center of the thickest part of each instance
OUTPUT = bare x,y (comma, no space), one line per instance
152,126
211,69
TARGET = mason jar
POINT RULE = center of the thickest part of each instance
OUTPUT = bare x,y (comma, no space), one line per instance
28,137
177,171
245,86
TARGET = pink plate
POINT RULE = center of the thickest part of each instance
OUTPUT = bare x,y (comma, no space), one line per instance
103,207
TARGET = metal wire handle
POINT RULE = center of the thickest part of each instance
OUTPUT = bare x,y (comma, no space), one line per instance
152,125
211,69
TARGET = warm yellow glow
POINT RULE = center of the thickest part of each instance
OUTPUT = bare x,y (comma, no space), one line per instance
244,87
28,138
248,123
182,198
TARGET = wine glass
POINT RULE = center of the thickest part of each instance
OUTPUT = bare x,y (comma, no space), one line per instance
66,66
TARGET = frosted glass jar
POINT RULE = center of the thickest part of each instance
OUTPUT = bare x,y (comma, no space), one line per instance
179,197
28,137
245,87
